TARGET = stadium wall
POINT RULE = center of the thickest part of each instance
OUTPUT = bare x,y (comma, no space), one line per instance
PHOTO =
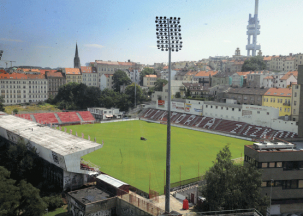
250,114
199,129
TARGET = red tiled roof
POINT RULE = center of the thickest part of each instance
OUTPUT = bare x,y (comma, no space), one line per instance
282,92
85,69
165,67
288,74
54,74
29,70
72,71
206,73
21,76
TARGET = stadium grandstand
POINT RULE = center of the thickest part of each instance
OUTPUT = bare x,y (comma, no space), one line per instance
60,118
235,128
61,151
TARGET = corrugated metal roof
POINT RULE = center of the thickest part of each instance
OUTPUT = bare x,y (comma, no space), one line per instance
110,180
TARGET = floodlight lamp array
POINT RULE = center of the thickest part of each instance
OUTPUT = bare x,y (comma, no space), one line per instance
168,31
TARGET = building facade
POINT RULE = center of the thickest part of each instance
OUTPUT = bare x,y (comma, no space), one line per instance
55,81
251,96
149,80
90,76
279,98
72,75
295,102
106,81
23,88
282,177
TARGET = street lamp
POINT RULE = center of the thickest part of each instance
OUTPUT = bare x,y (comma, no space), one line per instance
168,31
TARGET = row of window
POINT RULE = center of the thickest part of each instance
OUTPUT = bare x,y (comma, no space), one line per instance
286,165
24,82
273,100
285,184
20,101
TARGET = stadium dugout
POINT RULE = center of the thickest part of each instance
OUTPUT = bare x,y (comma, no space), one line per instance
61,152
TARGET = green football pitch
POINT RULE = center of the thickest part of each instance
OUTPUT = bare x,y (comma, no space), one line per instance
142,163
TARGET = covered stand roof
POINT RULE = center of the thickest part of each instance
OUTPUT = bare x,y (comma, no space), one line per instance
110,180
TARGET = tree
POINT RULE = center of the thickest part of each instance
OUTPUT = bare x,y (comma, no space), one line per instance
15,111
130,92
120,78
254,64
2,109
9,194
178,95
230,186
159,84
187,94
144,72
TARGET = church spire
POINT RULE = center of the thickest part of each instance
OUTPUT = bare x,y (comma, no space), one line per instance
76,59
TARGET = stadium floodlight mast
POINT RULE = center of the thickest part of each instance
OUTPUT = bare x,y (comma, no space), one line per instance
168,31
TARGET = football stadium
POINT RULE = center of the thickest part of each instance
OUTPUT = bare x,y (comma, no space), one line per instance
141,163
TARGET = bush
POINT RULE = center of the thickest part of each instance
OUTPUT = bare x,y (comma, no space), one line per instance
16,111
53,202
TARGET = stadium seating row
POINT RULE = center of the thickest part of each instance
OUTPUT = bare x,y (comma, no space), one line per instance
64,117
216,124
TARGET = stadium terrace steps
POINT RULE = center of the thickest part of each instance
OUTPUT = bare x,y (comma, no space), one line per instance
86,116
59,117
33,118
81,119
68,117
216,124
59,120
48,118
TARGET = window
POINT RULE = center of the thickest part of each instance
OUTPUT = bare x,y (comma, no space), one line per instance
264,184
272,164
264,165
295,102
300,184
279,164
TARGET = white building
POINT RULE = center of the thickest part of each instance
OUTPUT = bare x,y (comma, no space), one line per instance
17,88
90,76
164,74
106,81
101,113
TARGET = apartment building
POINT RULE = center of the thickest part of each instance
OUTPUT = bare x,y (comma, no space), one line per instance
149,80
279,98
90,76
252,96
55,80
282,63
106,81
295,102
282,177
72,75
19,88
203,76
288,78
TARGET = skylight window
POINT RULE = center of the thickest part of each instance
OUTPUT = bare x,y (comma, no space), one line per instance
288,94
268,92
282,94
275,93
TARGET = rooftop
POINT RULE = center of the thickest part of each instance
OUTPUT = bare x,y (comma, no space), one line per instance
21,76
90,195
72,71
282,92
205,73
110,180
266,146
288,74
152,76
46,137
85,69
250,91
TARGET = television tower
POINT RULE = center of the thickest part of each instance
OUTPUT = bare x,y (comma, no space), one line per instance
253,29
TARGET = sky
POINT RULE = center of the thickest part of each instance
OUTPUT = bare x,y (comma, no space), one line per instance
44,33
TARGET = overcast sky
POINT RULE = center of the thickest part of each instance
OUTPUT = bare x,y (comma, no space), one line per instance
44,33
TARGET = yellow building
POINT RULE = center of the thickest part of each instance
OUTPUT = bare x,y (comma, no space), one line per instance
72,75
278,98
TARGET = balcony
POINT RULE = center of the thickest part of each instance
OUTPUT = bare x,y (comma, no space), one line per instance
286,104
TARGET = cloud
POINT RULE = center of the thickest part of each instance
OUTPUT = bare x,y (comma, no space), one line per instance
94,45
43,47
227,41
8,39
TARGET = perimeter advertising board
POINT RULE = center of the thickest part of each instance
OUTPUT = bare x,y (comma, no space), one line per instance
177,106
193,109
161,104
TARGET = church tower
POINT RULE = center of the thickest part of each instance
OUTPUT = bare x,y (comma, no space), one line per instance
76,59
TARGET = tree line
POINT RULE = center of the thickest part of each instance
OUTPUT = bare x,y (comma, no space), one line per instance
23,191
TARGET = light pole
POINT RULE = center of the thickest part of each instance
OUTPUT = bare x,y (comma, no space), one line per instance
168,33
